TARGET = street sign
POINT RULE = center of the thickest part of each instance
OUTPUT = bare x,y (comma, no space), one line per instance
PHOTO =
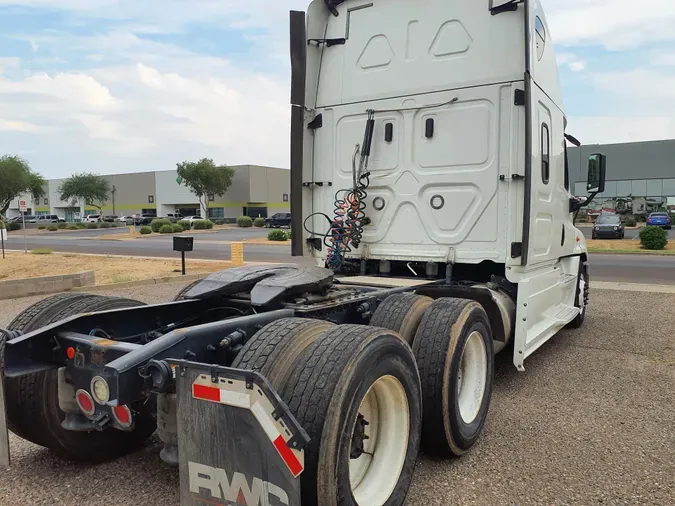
23,206
179,180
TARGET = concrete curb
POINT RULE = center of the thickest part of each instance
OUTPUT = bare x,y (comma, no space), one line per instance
26,287
632,287
141,282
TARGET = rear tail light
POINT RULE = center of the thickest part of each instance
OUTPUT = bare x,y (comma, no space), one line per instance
123,416
85,402
100,390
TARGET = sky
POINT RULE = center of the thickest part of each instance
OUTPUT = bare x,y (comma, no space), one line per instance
114,86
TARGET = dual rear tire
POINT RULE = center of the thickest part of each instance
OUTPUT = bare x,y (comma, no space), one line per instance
369,395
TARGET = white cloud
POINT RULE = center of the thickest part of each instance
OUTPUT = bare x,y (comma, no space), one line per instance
617,129
614,24
572,61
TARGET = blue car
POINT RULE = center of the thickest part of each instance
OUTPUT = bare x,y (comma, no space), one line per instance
659,220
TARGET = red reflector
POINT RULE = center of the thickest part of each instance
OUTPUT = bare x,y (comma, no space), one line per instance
289,457
206,393
85,402
70,353
122,415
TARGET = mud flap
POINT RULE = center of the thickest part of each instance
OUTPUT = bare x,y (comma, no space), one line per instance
237,442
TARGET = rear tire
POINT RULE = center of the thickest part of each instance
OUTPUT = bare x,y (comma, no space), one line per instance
33,408
453,347
401,313
274,349
348,371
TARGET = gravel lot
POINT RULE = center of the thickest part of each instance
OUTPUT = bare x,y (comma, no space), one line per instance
589,422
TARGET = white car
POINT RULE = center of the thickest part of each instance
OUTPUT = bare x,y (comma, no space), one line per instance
125,219
192,219
92,218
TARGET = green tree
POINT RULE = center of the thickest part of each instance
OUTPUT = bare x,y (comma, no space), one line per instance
36,187
16,177
91,188
205,179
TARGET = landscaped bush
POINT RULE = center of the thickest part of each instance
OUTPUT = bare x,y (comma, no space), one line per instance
202,224
146,231
62,226
209,224
244,222
288,234
13,226
177,229
105,224
277,235
184,224
259,222
158,223
91,226
73,227
166,229
114,225
42,227
630,222
653,238
80,225
53,228
220,222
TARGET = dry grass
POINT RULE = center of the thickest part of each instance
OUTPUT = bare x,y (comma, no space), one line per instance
625,246
109,270
265,240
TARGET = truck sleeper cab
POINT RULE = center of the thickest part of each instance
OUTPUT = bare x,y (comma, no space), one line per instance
429,184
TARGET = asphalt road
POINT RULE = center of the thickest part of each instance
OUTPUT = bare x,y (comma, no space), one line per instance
651,269
590,421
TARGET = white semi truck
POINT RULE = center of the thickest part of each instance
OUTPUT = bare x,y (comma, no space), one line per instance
430,184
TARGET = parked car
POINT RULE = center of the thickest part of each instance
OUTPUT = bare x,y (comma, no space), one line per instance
92,218
192,219
174,217
18,219
660,220
46,218
109,218
608,226
129,220
144,219
29,218
278,220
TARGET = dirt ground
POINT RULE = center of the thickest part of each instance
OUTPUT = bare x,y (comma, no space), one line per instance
624,245
109,270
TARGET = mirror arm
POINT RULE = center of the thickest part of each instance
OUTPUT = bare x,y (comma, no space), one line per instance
576,206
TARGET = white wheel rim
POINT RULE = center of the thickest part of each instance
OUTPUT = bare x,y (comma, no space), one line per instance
472,377
582,298
374,475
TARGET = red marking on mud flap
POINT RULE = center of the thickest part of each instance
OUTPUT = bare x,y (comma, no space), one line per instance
206,393
288,456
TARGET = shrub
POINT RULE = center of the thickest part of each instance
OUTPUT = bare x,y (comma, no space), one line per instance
13,226
209,224
2,225
53,228
91,226
201,224
166,229
146,231
114,225
73,227
184,224
653,238
105,224
630,222
80,225
277,235
244,222
42,227
220,222
288,234
177,229
62,226
259,222
158,223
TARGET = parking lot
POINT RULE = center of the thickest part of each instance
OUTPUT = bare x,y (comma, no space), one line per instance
589,422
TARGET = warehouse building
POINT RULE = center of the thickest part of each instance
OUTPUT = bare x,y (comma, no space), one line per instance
640,176
255,191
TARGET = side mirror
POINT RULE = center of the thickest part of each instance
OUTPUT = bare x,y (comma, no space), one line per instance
597,166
